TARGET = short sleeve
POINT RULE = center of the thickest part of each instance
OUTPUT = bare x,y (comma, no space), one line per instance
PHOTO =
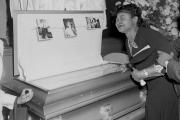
165,46
161,43
176,46
7,100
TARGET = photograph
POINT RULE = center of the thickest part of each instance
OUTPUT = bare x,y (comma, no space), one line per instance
92,23
43,30
69,28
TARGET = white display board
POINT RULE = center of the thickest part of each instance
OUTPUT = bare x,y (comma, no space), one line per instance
37,57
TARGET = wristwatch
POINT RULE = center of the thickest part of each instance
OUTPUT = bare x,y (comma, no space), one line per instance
158,68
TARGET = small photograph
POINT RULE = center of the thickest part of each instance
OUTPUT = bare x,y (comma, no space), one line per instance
92,23
69,28
43,30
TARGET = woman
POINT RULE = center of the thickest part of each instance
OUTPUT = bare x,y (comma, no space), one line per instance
142,45
7,100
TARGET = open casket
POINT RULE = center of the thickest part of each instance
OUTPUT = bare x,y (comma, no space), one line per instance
63,65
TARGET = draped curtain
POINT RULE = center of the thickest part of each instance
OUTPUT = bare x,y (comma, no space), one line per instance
58,5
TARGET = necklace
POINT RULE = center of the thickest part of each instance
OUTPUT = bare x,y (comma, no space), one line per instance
131,45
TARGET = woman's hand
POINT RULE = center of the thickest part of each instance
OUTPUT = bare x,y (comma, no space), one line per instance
26,95
138,75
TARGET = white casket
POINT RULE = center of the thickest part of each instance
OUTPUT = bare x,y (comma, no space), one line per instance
65,68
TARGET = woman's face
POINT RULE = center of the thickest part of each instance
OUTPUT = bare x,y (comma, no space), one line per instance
124,22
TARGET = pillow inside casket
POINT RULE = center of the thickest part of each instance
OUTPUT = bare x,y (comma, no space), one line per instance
119,58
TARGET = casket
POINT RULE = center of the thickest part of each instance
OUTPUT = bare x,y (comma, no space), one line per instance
66,71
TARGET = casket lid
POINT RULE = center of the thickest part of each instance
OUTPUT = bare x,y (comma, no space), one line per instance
36,56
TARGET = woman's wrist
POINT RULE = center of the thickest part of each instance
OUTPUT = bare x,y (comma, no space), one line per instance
158,68
145,73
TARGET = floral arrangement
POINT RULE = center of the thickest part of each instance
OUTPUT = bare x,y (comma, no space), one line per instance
160,15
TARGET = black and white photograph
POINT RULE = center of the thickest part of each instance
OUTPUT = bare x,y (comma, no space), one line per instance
93,23
69,28
89,59
43,30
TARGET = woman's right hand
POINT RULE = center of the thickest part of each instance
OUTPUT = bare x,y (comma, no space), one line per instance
26,95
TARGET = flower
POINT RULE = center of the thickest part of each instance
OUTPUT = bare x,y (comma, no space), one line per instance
160,15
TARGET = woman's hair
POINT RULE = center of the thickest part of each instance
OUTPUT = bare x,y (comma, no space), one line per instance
133,10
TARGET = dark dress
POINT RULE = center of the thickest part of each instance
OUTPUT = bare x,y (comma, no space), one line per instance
162,101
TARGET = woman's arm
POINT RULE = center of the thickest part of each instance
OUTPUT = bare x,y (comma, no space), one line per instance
147,73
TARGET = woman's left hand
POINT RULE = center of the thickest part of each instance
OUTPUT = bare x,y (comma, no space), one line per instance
137,75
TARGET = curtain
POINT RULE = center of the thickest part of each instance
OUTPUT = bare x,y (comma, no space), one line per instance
58,5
